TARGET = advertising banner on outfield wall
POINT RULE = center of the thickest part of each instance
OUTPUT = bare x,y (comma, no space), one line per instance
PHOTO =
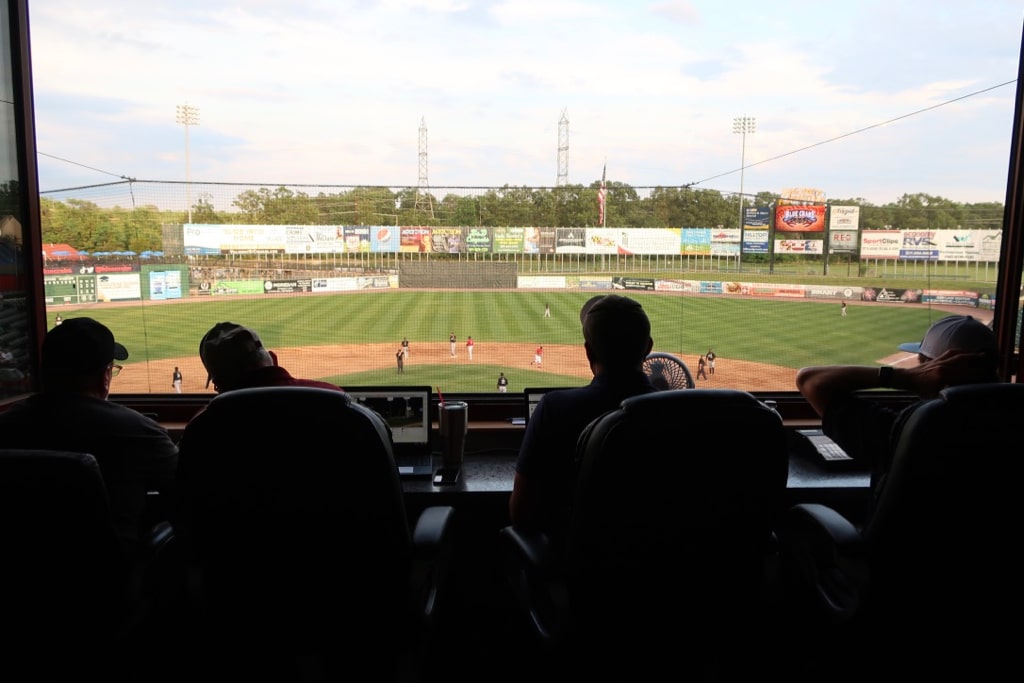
507,240
725,241
164,284
541,282
531,240
643,283
414,239
793,218
447,241
959,298
706,287
652,241
119,287
326,285
288,286
812,247
889,295
538,241
203,239
314,239
357,239
755,241
757,217
228,287
695,241
991,241
725,248
592,283
880,244
842,241
385,239
844,218
602,241
818,292
685,286
478,240
570,240
919,245
969,245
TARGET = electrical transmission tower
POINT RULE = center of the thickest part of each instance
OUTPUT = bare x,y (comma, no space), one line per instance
563,151
423,187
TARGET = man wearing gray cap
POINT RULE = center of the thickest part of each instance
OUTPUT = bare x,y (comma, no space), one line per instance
134,453
235,358
957,349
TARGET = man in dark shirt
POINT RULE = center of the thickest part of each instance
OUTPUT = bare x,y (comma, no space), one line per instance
957,349
617,339
235,358
134,453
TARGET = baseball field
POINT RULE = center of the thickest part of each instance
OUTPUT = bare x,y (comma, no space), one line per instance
351,338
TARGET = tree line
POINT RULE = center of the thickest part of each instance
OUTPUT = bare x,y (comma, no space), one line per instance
87,225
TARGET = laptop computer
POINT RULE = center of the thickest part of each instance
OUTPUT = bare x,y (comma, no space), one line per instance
531,397
406,409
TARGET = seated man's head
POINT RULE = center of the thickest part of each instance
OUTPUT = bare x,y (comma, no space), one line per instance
229,351
959,333
78,356
616,332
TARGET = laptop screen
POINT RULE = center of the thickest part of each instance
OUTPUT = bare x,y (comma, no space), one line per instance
532,396
405,409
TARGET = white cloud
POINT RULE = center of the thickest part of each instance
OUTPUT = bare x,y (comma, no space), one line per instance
333,92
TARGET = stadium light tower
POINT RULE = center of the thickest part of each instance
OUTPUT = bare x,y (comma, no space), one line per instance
742,125
187,115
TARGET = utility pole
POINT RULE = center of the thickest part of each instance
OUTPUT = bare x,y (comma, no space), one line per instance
742,125
563,151
423,186
188,115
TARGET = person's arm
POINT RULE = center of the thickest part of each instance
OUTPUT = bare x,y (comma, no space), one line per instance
822,385
529,506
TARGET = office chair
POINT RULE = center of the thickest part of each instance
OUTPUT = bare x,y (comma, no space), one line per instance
64,580
296,532
670,552
922,589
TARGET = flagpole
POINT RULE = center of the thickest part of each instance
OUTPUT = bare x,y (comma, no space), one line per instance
604,196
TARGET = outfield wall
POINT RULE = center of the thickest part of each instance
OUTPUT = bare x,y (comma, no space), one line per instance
172,282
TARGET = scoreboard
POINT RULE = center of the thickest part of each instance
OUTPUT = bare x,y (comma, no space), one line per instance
69,289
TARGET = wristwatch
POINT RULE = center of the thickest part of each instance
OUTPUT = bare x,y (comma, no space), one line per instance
885,374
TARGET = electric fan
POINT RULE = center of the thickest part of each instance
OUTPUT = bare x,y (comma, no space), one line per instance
668,372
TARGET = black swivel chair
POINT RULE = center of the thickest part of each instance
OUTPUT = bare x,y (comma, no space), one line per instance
929,586
670,555
65,590
296,532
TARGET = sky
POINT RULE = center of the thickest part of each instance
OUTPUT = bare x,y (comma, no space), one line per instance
866,99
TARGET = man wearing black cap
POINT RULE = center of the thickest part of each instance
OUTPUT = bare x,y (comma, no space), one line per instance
957,349
617,339
235,358
135,454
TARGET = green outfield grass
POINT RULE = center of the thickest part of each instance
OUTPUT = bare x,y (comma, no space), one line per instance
787,333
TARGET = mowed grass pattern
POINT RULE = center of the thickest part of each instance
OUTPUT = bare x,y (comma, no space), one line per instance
779,332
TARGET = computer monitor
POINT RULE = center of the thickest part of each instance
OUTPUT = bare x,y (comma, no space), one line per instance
406,409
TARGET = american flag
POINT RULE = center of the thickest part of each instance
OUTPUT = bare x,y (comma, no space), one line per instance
601,198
